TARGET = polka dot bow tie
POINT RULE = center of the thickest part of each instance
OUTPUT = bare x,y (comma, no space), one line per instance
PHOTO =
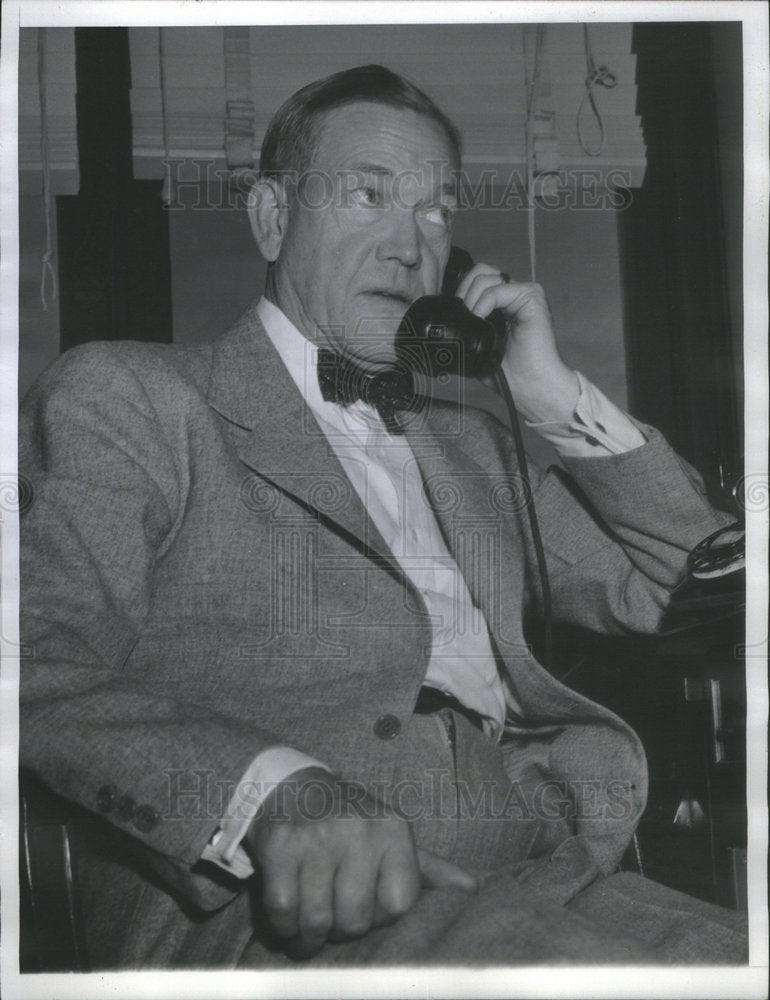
342,381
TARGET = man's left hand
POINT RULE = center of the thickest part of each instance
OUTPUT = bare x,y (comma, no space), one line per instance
544,387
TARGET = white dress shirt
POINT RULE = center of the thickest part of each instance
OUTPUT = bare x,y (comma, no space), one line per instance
384,473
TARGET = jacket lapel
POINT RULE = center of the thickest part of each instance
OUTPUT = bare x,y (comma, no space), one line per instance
276,436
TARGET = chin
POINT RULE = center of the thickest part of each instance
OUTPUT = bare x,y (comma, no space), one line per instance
372,336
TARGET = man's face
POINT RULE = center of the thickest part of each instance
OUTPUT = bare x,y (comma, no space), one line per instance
370,229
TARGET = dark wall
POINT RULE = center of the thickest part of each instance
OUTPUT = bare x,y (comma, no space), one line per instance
681,242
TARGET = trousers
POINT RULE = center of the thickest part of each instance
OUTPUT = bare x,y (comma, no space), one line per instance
542,898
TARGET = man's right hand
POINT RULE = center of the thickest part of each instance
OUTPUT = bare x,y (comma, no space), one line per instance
336,863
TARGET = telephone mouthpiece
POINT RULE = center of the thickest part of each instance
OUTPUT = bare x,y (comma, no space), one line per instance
439,335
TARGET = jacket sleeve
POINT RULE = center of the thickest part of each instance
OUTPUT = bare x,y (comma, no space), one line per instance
617,532
107,494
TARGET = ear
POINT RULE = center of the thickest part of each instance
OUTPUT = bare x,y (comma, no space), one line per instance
268,216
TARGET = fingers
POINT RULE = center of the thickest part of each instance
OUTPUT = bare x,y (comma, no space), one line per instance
337,904
437,873
335,877
476,281
485,288
280,896
315,909
354,897
312,902
398,883
298,896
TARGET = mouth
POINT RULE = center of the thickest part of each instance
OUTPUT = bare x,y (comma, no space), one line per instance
390,295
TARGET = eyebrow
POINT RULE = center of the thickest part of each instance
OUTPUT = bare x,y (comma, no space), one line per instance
448,187
370,168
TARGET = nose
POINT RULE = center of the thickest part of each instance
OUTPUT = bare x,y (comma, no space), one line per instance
402,239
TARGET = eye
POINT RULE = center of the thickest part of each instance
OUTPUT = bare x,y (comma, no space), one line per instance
367,197
440,215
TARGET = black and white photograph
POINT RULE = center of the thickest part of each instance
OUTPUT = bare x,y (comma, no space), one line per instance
384,499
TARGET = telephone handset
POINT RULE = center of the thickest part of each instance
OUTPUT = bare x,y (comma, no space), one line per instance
439,333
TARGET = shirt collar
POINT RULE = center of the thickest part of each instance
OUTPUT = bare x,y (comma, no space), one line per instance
300,356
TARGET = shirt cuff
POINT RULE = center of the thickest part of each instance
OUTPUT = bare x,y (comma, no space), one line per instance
267,770
598,427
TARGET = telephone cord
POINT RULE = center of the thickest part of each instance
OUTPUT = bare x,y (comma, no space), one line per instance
502,384
48,271
529,155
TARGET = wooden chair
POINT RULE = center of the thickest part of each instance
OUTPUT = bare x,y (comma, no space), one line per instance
51,927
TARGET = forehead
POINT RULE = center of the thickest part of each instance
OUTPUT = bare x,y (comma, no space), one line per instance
367,134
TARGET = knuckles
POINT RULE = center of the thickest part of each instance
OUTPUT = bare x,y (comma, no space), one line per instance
316,925
278,904
352,928
399,902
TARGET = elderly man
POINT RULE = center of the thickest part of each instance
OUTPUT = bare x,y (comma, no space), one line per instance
277,631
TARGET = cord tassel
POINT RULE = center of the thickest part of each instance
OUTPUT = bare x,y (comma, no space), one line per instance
48,271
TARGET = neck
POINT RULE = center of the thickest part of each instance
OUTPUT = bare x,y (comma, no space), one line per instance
291,307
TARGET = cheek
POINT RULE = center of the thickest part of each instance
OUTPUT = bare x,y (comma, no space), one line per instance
437,247
433,269
346,257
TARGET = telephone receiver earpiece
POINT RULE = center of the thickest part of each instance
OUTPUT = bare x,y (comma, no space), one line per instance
439,335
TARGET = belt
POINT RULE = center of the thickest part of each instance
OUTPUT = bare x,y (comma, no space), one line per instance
431,700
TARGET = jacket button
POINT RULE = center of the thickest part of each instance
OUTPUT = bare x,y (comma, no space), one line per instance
125,808
105,798
146,818
387,726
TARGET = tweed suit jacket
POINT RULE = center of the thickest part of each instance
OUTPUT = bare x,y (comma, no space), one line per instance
200,582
